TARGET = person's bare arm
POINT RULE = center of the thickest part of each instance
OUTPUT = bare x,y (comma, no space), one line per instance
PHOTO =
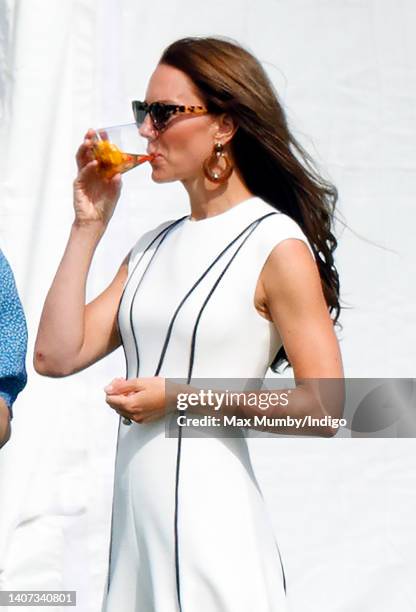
4,423
296,303
73,335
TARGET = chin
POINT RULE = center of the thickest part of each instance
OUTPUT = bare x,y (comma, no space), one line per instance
159,176
162,179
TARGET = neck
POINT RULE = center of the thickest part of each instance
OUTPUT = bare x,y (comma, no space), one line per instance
208,199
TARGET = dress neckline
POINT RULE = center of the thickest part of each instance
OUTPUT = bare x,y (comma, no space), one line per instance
223,216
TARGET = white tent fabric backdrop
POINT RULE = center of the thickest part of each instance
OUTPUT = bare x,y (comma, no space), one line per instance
343,509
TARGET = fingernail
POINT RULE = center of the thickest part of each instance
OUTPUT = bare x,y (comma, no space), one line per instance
108,388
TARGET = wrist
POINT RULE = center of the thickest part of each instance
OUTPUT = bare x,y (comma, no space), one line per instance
89,228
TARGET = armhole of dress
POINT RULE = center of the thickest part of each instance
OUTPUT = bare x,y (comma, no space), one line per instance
274,235
143,243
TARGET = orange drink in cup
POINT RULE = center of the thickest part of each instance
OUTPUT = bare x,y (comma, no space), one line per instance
115,149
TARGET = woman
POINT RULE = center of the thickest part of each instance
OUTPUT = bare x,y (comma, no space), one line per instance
223,292
13,346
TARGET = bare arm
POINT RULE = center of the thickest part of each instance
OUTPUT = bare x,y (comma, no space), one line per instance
295,301
4,423
73,335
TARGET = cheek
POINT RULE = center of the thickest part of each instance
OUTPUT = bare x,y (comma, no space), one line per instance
187,146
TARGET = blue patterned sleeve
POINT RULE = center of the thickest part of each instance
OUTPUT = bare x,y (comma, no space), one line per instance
13,337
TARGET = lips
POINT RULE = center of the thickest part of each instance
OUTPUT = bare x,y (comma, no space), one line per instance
157,157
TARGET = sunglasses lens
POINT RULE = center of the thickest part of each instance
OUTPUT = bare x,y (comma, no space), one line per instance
140,111
160,114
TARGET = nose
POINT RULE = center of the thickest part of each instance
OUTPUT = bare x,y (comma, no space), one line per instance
147,129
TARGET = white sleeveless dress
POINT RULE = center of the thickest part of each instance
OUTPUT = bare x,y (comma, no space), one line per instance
190,531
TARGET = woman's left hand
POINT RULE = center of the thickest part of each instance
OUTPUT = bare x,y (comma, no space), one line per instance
142,400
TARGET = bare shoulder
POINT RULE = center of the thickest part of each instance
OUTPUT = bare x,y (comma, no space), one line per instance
289,272
291,259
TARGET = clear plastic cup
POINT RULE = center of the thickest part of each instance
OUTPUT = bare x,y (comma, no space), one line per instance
116,149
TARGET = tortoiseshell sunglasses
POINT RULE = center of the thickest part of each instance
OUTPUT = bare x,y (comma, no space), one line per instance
160,113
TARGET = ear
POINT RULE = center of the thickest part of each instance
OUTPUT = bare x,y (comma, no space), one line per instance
225,127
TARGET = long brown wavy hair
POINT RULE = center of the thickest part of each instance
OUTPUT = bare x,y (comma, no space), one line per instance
272,163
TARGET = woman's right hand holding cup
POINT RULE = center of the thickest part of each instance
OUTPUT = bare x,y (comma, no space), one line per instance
95,196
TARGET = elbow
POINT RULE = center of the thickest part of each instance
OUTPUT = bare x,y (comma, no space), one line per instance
329,432
329,407
328,426
47,366
331,424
